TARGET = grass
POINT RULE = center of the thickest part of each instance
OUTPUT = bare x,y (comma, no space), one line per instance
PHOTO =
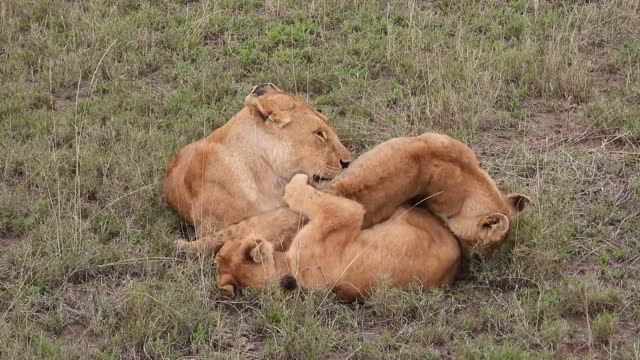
97,96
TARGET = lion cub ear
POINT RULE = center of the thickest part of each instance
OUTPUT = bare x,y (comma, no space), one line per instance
265,108
518,202
258,250
493,227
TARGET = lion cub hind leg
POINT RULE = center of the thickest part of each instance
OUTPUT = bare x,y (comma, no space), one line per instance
383,178
206,245
277,226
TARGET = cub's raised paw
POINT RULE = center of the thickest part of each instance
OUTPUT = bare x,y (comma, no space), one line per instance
299,179
297,196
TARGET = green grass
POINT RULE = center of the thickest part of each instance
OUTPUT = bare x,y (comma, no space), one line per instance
97,96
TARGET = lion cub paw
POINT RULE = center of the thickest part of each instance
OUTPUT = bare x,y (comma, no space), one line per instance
183,245
297,193
300,179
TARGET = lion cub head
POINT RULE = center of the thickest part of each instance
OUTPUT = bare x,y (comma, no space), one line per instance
246,263
475,210
301,137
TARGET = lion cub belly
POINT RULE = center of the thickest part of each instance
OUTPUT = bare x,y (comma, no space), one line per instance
395,252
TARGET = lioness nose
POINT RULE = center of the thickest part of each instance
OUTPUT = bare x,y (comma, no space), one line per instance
344,164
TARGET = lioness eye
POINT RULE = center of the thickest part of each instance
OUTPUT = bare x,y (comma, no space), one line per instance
320,134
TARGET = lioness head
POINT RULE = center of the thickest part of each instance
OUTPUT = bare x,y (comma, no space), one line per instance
305,142
249,263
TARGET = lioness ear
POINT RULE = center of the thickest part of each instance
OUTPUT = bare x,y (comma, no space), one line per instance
258,251
257,107
494,227
518,201
264,108
262,89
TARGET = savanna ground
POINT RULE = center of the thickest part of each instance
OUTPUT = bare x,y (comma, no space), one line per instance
96,96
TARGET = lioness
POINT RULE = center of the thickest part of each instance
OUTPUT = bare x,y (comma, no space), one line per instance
332,251
432,170
241,169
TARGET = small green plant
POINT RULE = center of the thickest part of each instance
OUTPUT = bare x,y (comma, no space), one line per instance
635,187
615,115
553,331
588,295
604,326
48,349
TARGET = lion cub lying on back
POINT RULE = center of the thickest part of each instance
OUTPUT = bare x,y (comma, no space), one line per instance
331,250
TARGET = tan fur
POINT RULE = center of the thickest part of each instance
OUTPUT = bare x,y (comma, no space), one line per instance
240,170
250,263
404,244
332,251
440,173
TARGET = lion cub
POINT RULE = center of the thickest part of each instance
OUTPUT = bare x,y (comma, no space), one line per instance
332,251
439,173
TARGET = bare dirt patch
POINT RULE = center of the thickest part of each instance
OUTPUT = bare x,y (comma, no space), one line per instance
77,335
8,243
76,332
